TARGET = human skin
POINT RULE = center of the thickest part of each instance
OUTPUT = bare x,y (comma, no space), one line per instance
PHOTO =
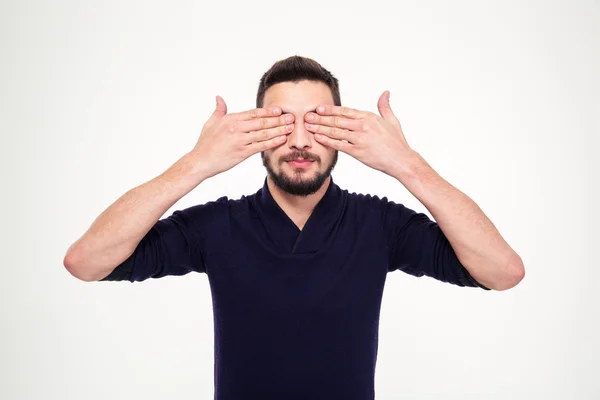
298,99
225,141
379,142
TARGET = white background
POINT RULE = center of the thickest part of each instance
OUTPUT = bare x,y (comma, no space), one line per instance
501,98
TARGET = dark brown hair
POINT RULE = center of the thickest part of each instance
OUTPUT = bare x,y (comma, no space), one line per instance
295,69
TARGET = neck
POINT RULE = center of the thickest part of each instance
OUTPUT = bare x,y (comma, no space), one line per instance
298,208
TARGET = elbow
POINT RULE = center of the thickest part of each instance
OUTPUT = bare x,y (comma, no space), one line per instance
516,271
75,268
512,275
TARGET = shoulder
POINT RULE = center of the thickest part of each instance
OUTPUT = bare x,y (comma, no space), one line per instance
391,215
208,220
366,208
369,202
207,213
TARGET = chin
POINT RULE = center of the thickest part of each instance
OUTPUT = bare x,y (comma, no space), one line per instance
294,180
302,183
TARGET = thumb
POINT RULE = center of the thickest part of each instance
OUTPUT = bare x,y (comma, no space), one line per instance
384,107
221,108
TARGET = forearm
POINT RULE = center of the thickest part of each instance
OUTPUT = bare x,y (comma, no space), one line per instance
474,238
117,231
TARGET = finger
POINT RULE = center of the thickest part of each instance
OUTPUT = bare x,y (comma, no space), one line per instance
221,107
256,147
383,104
328,109
266,122
335,133
335,121
268,134
335,144
258,113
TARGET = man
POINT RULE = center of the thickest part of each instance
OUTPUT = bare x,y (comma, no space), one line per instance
297,270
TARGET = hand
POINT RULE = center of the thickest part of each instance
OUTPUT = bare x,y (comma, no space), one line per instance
377,142
228,139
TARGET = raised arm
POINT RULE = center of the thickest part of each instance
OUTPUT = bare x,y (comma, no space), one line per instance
225,141
115,234
379,143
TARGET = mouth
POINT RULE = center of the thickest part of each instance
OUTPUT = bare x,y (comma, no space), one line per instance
300,163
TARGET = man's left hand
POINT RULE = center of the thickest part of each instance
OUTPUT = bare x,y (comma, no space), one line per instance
377,142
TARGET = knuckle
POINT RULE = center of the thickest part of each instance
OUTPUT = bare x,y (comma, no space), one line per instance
263,122
231,128
239,142
253,113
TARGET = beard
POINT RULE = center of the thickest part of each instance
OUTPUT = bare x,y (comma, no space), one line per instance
298,184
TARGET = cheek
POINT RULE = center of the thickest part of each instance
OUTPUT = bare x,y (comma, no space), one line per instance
326,155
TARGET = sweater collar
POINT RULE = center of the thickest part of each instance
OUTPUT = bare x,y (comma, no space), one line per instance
314,235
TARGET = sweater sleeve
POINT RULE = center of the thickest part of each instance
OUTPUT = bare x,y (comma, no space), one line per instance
175,245
418,246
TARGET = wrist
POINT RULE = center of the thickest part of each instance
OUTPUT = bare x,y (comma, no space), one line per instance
415,173
408,166
185,174
196,166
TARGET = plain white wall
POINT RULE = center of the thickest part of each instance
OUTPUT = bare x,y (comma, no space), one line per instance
501,98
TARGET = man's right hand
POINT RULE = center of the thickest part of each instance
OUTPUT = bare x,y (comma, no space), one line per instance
228,139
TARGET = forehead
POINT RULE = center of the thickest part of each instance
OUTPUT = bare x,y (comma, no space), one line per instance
298,97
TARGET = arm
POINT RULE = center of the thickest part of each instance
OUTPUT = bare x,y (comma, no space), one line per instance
115,234
417,246
128,233
379,143
475,240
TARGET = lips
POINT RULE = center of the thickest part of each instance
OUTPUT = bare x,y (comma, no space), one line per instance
300,162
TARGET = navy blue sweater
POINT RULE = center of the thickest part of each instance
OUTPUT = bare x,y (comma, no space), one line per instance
296,312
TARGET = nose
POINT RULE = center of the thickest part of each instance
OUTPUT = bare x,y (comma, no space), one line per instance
300,138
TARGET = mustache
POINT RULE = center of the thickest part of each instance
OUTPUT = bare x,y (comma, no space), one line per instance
306,156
